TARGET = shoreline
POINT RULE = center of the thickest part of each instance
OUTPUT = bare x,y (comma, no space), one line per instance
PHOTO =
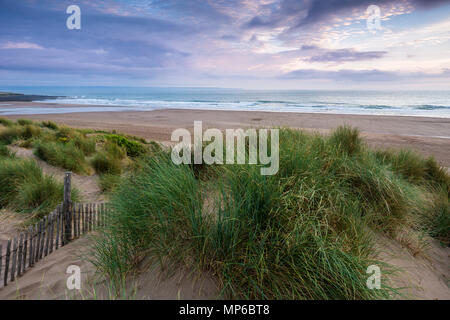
427,135
123,108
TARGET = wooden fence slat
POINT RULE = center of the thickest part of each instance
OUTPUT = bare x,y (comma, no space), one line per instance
30,257
41,245
99,214
14,258
67,208
19,256
103,215
38,241
41,236
88,217
88,212
25,248
78,220
84,218
62,221
97,205
8,253
58,214
35,242
75,219
47,241
94,222
52,227
1,257
91,216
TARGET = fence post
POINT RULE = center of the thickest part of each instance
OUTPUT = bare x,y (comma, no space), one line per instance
8,253
67,208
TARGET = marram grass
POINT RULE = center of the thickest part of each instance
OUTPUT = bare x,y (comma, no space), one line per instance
304,233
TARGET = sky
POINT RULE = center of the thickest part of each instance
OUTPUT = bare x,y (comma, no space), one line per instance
250,44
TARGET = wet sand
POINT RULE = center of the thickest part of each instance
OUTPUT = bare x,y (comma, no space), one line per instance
429,136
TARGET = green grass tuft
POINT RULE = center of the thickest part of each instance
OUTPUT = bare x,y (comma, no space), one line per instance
103,163
67,156
5,152
133,148
6,122
347,140
24,122
109,182
49,125
24,188
9,135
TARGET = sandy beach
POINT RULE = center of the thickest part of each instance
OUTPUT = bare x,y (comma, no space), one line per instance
427,135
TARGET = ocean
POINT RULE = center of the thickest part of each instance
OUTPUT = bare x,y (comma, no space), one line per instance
403,103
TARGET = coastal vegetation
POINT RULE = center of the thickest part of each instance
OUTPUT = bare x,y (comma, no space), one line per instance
308,232
26,189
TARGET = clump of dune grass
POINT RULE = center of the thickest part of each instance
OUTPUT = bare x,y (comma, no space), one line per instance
14,132
109,182
6,122
87,145
24,188
10,134
13,173
65,155
414,168
103,163
304,233
170,192
24,122
114,150
346,139
69,135
5,152
49,125
437,224
133,148
30,131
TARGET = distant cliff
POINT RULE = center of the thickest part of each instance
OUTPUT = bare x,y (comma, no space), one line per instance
10,96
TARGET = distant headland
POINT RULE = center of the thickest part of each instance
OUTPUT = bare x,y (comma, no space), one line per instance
11,96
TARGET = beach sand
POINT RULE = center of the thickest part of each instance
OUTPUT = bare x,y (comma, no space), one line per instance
429,136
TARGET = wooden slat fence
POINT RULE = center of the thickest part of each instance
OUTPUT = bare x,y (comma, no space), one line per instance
67,222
